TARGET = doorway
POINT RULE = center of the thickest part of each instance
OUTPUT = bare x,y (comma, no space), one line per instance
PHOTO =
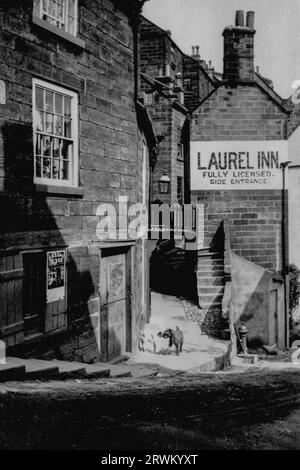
115,314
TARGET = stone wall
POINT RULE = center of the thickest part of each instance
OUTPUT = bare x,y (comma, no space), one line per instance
101,71
243,112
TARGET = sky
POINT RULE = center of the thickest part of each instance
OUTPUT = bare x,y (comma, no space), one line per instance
201,22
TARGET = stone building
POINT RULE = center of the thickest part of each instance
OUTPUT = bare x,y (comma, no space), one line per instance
238,147
173,84
73,137
235,150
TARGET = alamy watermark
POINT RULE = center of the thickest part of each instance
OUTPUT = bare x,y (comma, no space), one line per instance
122,221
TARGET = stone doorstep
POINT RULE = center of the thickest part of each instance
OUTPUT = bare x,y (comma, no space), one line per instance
11,373
35,369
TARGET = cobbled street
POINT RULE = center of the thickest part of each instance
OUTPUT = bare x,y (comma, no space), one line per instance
254,410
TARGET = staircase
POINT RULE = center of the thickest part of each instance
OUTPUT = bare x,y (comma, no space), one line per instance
19,369
210,280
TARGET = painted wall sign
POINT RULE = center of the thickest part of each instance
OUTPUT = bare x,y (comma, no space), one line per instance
56,267
237,164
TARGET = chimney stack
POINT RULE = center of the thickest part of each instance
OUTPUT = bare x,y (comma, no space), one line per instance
239,48
195,52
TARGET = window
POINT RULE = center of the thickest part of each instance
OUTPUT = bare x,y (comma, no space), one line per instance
180,147
187,84
61,14
148,98
55,122
179,189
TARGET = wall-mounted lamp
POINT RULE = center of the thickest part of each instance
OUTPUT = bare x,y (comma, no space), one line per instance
164,183
283,165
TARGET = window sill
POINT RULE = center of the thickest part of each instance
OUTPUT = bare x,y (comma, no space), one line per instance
58,32
59,190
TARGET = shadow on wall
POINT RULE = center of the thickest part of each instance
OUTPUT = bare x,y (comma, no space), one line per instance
28,223
172,270
218,241
251,302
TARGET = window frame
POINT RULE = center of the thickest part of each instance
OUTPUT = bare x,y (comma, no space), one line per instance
180,145
73,180
40,11
180,184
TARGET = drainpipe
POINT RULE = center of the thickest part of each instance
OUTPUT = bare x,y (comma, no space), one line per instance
135,24
135,27
285,251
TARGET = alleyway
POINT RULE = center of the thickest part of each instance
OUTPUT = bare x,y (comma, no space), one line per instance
200,353
258,410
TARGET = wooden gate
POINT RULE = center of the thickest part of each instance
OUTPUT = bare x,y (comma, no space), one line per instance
114,316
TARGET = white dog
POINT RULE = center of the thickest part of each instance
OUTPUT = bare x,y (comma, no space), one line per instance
151,340
147,341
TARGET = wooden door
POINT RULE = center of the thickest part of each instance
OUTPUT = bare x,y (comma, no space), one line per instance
34,293
11,290
113,289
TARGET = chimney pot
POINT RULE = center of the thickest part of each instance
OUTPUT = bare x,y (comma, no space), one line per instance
250,19
257,69
239,18
197,50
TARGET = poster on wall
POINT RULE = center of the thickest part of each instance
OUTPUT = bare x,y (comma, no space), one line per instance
237,164
56,267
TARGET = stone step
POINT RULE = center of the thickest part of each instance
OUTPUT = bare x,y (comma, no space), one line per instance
213,290
210,297
209,305
210,262
97,370
35,369
210,272
210,254
69,370
208,266
8,372
210,280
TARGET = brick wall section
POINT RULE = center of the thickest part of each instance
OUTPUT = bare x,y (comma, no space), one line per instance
178,120
201,85
238,53
167,118
103,77
157,49
243,113
109,140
